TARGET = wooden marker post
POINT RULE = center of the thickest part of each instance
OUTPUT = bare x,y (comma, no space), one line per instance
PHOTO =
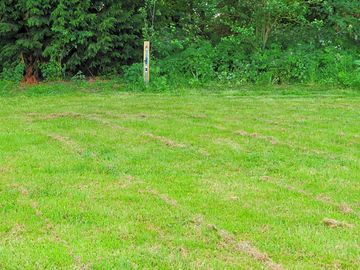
146,61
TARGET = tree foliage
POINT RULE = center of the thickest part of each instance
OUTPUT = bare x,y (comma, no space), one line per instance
276,40
94,37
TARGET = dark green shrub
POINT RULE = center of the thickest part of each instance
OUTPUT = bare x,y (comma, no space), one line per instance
79,77
196,62
51,71
134,74
13,73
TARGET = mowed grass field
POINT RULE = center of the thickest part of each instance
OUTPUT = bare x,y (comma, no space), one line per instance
194,181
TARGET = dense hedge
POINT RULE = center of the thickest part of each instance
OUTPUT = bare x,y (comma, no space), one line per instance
193,42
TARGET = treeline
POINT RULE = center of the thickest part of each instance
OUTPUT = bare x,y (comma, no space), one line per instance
253,41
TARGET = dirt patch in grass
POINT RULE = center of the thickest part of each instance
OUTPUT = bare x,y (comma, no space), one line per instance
230,143
35,206
62,115
332,223
164,140
165,198
220,128
149,190
184,252
53,116
67,142
16,231
232,197
156,229
228,241
259,256
203,152
198,116
270,139
105,122
4,170
343,207
223,190
125,116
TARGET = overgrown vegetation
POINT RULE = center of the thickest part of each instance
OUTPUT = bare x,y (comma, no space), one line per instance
193,42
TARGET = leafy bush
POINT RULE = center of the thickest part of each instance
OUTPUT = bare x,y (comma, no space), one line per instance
203,62
195,62
79,76
133,75
13,73
51,71
351,78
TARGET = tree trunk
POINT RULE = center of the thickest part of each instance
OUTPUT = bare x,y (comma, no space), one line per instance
31,73
266,30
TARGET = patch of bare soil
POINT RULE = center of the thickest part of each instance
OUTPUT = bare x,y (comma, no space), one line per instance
230,143
125,116
184,252
259,256
52,116
270,139
4,169
228,240
232,198
105,122
62,115
164,140
332,223
220,128
16,230
154,228
199,116
165,198
67,142
203,152
345,208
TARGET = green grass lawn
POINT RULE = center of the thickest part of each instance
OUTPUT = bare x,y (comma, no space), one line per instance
218,180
